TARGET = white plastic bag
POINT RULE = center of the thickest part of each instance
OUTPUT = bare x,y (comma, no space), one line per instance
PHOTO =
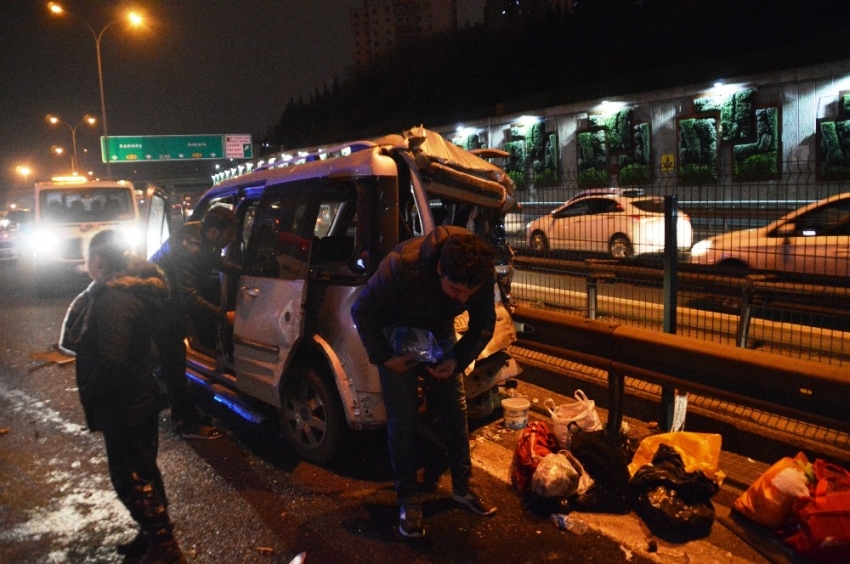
555,476
572,417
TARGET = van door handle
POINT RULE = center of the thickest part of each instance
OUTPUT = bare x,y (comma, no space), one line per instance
251,292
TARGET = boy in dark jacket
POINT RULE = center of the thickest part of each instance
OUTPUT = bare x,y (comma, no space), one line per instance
424,283
110,327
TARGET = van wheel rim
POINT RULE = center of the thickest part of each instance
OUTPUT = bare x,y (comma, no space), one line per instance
305,417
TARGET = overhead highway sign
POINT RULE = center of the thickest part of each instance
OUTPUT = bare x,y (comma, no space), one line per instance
141,148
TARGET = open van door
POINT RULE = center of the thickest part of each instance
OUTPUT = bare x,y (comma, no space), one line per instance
154,219
270,300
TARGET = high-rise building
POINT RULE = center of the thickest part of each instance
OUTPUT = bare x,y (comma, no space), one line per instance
514,14
379,26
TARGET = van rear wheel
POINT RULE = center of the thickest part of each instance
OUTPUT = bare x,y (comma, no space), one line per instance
311,416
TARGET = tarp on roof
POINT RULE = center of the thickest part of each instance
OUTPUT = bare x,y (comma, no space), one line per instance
452,172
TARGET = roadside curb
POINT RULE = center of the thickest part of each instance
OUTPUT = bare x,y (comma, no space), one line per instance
731,540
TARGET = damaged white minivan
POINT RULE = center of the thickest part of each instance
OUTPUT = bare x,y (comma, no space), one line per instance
311,235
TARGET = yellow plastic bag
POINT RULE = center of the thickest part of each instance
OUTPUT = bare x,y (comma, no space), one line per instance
699,451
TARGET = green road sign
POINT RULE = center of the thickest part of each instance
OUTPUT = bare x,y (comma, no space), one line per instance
143,148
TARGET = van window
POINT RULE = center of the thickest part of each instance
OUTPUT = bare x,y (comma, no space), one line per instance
157,226
73,205
336,226
281,234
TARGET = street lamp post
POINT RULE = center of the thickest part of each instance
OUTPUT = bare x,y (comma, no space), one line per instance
135,20
87,119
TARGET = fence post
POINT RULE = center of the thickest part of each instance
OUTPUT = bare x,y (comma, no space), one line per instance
616,398
674,403
591,296
597,272
745,314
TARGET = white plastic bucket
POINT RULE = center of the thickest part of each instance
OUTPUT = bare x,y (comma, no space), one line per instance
516,412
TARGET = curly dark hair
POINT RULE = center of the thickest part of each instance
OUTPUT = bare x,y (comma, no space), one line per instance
467,260
113,249
219,217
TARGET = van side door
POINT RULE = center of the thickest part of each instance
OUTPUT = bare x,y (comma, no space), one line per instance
154,220
270,301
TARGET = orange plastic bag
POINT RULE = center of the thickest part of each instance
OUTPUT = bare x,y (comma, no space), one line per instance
769,503
699,451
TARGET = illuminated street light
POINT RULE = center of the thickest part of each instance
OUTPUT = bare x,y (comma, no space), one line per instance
23,171
87,119
135,19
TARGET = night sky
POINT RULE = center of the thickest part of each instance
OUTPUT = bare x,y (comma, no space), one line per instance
196,67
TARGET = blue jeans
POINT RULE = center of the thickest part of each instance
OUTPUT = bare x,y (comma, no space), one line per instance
446,403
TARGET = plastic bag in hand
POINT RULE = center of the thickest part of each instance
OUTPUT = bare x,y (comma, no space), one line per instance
420,344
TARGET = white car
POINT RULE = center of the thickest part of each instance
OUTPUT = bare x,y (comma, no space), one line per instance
622,222
14,226
814,239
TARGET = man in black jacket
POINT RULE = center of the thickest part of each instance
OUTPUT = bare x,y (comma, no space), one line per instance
424,283
110,327
187,258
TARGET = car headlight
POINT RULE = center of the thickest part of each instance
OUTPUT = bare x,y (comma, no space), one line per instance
702,248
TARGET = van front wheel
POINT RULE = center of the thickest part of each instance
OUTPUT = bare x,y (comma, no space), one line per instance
311,416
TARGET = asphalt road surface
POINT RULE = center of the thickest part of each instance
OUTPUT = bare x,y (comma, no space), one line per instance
246,498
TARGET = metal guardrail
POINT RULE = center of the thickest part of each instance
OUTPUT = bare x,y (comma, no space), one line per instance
752,291
796,388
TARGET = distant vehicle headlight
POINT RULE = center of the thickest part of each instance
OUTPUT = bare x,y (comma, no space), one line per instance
44,240
133,236
702,248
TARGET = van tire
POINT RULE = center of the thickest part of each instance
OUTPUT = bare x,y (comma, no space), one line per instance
311,415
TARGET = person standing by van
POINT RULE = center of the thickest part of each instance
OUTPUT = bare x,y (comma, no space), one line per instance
187,258
425,283
110,328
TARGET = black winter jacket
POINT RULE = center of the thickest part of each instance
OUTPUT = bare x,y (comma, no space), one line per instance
405,290
187,259
111,327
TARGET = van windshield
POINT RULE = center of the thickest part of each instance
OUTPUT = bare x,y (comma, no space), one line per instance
74,205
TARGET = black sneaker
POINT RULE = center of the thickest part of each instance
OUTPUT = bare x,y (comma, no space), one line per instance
202,432
474,502
410,522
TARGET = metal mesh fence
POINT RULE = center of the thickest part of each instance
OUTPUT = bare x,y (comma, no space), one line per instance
761,264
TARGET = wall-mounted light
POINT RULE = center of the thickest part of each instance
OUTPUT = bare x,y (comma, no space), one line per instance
526,121
722,88
607,107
